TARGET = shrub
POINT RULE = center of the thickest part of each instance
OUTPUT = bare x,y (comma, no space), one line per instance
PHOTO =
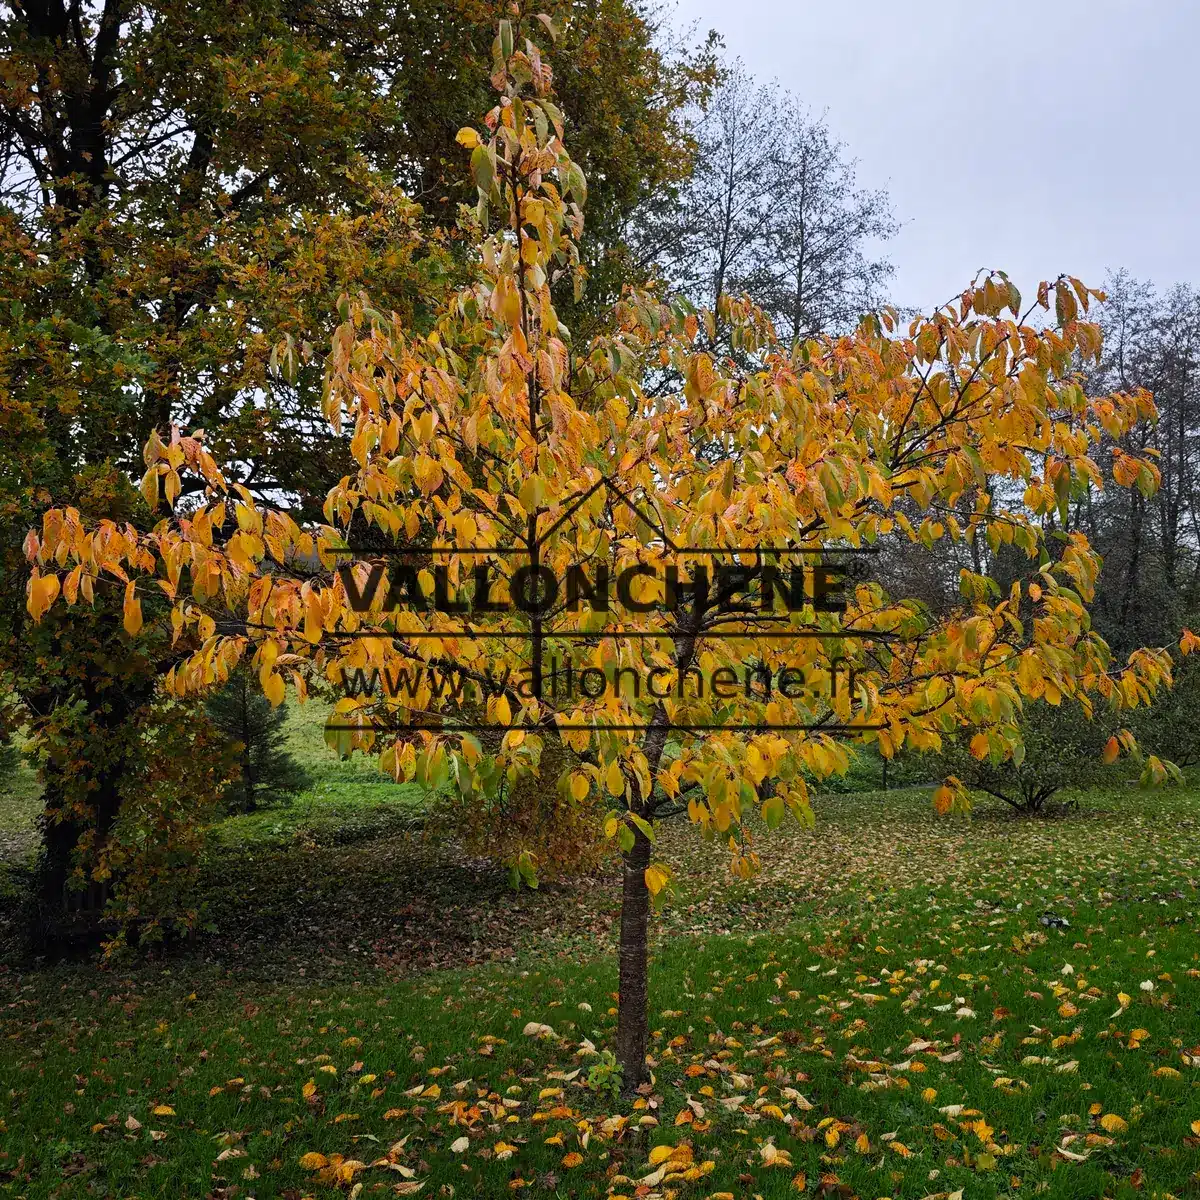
1170,728
1063,748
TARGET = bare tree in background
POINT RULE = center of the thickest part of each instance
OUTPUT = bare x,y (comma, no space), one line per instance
820,271
714,233
1151,546
773,210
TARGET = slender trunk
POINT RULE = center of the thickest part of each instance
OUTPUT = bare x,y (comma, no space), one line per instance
634,974
633,1025
1133,567
249,803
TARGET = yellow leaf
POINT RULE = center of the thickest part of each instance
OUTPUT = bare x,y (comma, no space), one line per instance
660,1154
133,611
943,800
1111,749
862,1143
657,878
467,137
614,780
162,1110
572,1160
345,1171
273,688
579,785
312,1161
1111,1123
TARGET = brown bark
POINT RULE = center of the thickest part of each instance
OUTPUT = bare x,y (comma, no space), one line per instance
633,1025
634,971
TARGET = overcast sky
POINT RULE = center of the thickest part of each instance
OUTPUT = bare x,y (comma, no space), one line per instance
1034,136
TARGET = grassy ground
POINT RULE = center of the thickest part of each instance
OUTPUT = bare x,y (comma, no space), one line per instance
346,800
908,977
20,803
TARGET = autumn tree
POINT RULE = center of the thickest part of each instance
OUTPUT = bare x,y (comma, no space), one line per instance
531,465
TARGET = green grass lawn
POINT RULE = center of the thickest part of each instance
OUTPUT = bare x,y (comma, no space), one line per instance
881,1013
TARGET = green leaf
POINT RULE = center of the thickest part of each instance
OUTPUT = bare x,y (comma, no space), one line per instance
483,170
643,825
773,812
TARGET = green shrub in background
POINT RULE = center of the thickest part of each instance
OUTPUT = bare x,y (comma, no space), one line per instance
1170,728
1064,748
869,771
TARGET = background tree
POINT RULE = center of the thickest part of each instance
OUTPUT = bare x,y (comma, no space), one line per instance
1151,545
483,434
773,209
10,755
185,190
264,772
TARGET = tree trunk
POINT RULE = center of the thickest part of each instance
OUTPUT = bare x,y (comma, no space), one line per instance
634,978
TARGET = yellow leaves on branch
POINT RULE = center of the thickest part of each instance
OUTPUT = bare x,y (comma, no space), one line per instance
496,426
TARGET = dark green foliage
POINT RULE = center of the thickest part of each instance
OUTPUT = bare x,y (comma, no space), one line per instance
870,772
263,770
1062,749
